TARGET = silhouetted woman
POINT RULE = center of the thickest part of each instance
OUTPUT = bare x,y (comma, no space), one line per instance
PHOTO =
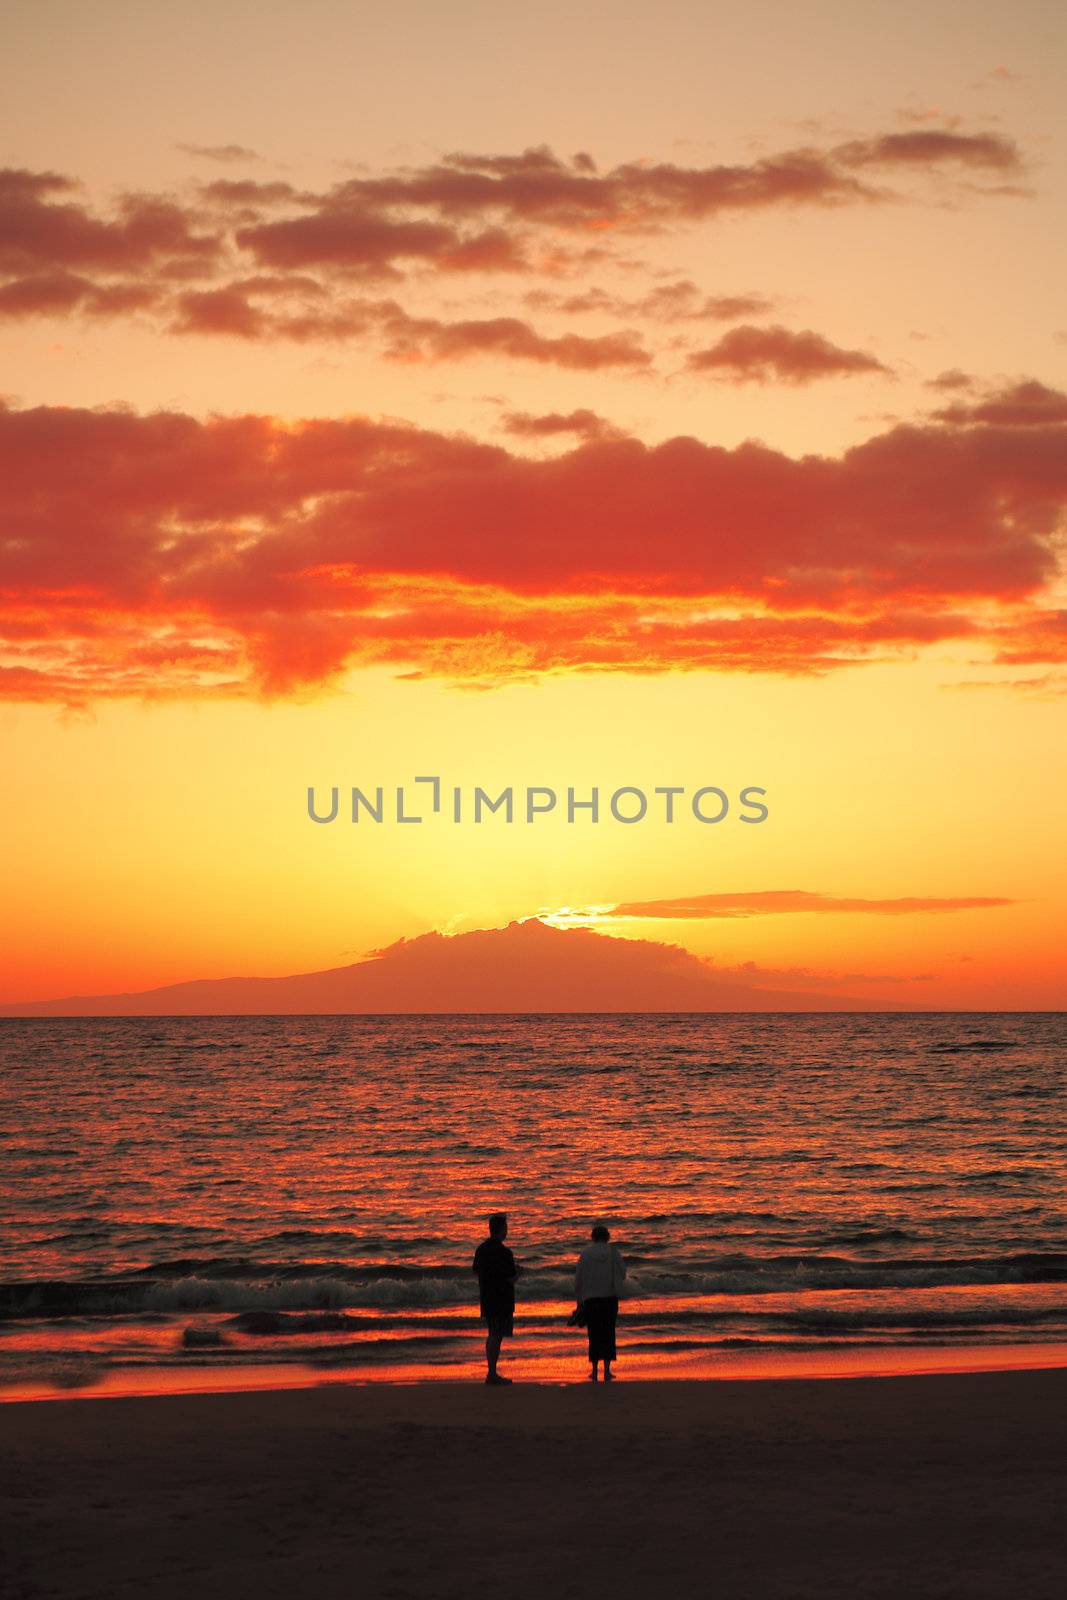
600,1275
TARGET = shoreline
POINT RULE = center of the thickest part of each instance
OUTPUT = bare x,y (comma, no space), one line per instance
944,1485
749,1366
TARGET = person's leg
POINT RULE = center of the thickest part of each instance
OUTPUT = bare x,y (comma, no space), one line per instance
499,1329
611,1312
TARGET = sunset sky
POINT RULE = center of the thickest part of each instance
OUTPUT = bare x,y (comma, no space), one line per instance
616,395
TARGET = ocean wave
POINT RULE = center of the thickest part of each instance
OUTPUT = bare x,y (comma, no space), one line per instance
962,1047
115,1297
227,1267
246,1285
824,1320
871,1236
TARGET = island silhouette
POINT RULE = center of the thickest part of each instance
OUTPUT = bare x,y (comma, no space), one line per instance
527,966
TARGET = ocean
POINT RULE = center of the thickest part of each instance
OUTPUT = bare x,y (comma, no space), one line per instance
208,1199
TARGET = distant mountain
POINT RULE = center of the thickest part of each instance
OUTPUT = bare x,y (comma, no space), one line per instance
527,966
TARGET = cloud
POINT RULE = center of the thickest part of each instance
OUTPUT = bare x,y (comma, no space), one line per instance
762,355
582,423
290,551
1047,685
667,302
44,294
952,379
243,193
539,188
1022,405
372,245
533,214
236,309
933,147
220,152
227,310
778,902
286,306
1039,636
446,341
48,293
40,233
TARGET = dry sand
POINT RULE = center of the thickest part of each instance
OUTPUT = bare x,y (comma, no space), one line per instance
911,1488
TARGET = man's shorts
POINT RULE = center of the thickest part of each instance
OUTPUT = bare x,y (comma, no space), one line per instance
501,1323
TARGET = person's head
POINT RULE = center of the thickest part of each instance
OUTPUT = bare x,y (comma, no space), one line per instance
498,1225
600,1234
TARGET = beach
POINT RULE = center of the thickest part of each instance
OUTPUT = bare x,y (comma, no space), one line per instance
945,1485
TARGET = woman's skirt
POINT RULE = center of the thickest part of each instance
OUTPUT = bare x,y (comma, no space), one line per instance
600,1317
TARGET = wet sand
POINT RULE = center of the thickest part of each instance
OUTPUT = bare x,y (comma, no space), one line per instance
924,1487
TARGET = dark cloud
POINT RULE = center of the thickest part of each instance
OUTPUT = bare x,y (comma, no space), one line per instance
933,147
953,379
237,310
248,192
539,188
1022,405
227,310
44,294
531,213
749,354
369,244
583,424
49,293
41,234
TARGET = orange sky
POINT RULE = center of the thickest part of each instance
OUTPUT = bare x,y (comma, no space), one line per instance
654,398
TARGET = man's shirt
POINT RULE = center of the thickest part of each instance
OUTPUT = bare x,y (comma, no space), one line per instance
495,1266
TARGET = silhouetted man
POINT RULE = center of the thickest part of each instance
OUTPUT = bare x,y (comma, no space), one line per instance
496,1269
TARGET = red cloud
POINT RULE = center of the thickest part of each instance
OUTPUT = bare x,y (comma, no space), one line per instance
1040,636
760,355
283,552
